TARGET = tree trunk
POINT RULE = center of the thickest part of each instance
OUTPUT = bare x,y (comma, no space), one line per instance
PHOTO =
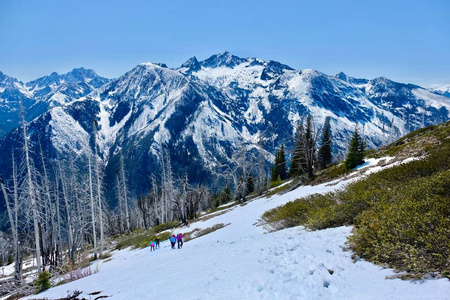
31,191
91,193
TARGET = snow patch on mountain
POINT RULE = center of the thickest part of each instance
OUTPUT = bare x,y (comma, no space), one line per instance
441,89
107,134
431,99
67,133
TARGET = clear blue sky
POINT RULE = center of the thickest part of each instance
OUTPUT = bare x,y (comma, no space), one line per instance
408,41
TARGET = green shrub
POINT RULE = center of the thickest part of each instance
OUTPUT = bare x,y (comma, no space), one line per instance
165,226
141,238
279,189
323,212
164,236
276,182
224,207
401,214
43,282
412,231
138,240
201,232
335,171
291,214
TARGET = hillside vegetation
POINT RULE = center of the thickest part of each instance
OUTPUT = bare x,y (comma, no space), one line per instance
401,214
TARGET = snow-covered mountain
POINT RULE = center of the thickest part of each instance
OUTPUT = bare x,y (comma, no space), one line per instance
204,111
59,89
441,89
41,94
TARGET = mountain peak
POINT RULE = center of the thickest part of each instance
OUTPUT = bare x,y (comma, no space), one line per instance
191,64
3,77
7,81
342,76
381,81
75,76
153,65
223,59
80,74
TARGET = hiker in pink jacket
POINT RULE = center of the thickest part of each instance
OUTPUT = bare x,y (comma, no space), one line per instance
152,246
180,240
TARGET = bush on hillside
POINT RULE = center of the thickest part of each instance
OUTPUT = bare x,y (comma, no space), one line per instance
43,282
412,231
401,213
166,226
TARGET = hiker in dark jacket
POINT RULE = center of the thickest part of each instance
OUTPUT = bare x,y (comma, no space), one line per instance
157,242
173,240
180,240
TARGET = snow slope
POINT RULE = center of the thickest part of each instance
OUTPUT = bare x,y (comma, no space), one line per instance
243,261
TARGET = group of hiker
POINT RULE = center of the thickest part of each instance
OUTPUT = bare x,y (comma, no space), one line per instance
178,239
174,239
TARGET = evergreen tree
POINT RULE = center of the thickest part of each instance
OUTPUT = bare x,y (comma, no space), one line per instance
324,156
304,155
250,184
310,147
356,149
275,170
283,167
298,163
279,169
227,194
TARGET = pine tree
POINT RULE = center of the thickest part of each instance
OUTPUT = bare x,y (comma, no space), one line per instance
304,155
275,168
227,194
250,185
283,168
279,169
298,163
356,150
324,156
310,146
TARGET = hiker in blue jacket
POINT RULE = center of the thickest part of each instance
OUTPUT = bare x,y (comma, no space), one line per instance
173,240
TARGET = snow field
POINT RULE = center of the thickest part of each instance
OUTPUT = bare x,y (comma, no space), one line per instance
244,261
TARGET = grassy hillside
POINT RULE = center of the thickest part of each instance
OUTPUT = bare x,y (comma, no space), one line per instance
401,214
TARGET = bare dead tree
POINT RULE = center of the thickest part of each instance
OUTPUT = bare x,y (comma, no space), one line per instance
125,192
99,190
261,166
92,206
245,164
120,203
68,209
31,188
14,223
